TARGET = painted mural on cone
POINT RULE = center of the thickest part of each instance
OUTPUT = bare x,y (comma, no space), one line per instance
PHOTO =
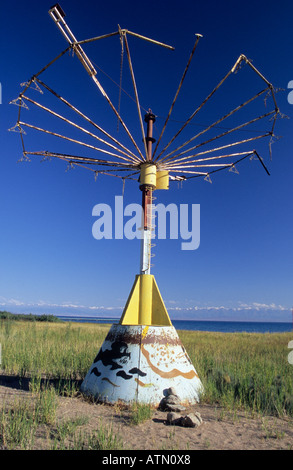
139,363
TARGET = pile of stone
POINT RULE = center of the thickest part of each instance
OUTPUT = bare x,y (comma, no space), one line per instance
172,404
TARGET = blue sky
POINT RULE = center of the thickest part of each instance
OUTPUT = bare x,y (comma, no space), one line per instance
50,262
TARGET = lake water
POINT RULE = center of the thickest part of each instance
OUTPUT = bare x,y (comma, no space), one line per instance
199,325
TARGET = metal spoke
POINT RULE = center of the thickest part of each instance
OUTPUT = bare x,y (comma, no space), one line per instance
198,36
215,124
129,158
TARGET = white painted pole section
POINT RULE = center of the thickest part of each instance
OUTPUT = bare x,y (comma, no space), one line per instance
145,252
147,186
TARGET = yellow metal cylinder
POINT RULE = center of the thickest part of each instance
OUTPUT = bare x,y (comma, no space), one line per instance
162,179
145,299
148,175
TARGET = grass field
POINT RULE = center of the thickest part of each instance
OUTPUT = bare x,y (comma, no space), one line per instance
245,371
237,369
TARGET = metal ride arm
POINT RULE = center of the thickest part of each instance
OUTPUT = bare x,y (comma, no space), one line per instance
57,14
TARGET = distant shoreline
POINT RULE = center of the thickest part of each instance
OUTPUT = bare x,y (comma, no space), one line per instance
224,326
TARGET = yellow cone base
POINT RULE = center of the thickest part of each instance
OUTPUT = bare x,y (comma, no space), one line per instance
145,305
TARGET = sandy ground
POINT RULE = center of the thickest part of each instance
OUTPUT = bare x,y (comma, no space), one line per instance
220,430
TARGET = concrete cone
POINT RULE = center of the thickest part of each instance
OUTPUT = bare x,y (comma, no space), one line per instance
138,363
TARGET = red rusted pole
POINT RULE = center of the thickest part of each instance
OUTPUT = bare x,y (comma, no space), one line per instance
149,119
147,192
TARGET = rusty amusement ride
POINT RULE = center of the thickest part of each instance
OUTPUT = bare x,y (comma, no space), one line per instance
142,355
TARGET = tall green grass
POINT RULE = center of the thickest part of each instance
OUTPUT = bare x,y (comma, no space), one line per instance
19,421
17,427
58,351
245,370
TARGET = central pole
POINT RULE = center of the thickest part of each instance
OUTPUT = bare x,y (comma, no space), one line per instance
147,190
145,306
